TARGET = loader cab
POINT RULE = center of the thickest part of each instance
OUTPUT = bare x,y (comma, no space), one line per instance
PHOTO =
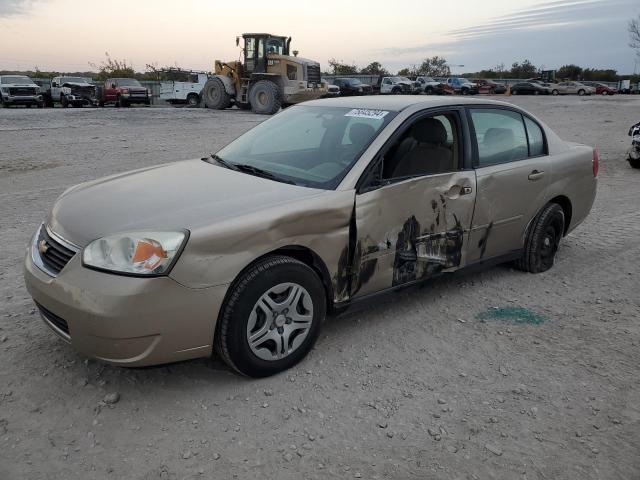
257,46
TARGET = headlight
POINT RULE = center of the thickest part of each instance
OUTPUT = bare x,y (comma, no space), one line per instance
4,90
137,253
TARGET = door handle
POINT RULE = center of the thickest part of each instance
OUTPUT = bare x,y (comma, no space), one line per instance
536,175
466,191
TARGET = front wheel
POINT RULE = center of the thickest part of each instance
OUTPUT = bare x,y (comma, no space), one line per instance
555,92
635,163
265,98
581,92
64,102
543,239
271,318
214,94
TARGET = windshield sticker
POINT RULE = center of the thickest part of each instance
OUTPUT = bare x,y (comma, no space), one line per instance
366,113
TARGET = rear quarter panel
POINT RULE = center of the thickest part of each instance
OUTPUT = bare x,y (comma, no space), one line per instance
572,177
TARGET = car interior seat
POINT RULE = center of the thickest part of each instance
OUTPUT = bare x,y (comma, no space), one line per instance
425,153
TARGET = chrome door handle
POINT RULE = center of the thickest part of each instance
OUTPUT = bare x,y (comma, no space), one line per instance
536,175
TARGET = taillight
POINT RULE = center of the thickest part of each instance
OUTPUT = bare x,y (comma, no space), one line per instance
596,162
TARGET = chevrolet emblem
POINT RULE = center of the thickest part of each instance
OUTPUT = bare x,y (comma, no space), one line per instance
43,247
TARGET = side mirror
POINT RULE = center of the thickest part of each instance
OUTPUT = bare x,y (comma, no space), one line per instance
54,84
237,41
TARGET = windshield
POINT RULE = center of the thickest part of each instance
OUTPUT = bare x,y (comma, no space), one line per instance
16,79
403,79
275,45
73,80
462,80
128,82
308,146
355,81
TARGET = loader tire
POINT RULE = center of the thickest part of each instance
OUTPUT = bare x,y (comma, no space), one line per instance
265,98
214,95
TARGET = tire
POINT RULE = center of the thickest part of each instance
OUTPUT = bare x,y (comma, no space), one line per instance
464,91
193,100
64,102
536,92
243,106
514,92
265,98
634,163
214,95
555,92
396,91
581,92
429,91
543,239
246,311
101,104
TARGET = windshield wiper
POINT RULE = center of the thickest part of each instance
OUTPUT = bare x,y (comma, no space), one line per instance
223,163
258,172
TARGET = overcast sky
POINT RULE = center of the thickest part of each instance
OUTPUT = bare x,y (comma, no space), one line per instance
66,35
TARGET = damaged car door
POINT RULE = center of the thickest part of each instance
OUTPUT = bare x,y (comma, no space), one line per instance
513,171
413,205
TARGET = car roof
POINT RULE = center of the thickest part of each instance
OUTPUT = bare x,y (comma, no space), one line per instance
399,102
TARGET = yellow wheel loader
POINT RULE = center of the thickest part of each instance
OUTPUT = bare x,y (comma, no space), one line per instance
266,79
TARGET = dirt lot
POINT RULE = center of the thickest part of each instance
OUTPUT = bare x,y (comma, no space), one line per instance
428,383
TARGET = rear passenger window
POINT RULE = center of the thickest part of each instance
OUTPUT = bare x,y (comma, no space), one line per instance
536,139
501,136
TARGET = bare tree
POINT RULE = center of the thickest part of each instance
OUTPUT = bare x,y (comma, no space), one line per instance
634,34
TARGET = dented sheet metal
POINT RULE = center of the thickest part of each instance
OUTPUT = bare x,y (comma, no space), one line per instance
410,231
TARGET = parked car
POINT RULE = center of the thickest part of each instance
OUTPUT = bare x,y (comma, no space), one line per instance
189,92
634,150
352,86
430,86
123,92
71,91
246,251
19,90
461,86
529,88
332,90
603,89
575,88
395,86
489,86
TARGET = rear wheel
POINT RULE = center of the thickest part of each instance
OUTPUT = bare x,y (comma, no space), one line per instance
271,318
265,98
214,94
555,92
543,239
635,163
193,99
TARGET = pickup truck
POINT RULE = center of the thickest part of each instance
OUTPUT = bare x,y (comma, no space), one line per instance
430,86
123,92
71,91
19,90
396,86
176,92
461,85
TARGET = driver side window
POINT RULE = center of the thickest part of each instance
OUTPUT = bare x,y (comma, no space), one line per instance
429,146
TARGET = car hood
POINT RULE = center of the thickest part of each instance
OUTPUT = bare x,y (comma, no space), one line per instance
175,196
75,84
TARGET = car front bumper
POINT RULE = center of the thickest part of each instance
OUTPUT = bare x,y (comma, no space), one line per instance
22,99
123,320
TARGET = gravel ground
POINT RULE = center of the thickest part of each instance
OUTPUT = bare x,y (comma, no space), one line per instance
424,384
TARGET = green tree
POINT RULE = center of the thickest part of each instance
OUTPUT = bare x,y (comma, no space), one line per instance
434,67
374,68
525,69
571,72
340,68
113,68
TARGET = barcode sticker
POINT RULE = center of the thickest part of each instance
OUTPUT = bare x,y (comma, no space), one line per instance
366,113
